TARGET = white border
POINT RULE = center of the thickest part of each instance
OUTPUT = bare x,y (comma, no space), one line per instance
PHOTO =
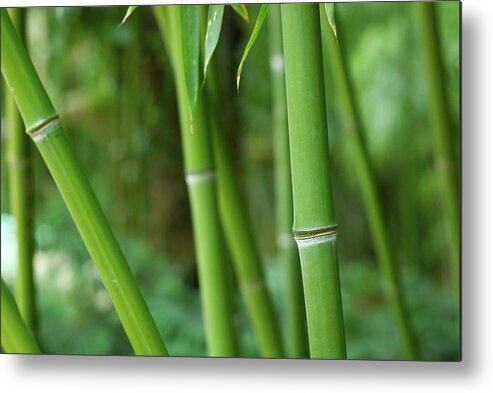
474,374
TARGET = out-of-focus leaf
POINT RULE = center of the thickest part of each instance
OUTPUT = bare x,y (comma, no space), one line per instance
214,23
256,30
241,10
330,12
130,11
190,43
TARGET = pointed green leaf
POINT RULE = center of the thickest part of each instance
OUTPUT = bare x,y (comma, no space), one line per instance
214,22
256,30
241,10
130,11
190,44
330,12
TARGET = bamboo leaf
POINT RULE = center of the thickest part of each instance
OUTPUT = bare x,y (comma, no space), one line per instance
214,22
190,40
256,30
330,12
241,10
130,11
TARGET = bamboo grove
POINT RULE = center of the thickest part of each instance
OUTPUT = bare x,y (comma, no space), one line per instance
305,309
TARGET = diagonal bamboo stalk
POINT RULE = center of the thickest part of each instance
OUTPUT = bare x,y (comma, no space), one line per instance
441,131
239,236
215,288
296,339
354,129
16,336
315,228
44,127
22,199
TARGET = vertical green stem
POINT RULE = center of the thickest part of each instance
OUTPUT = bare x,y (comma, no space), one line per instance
441,130
16,336
22,200
294,305
44,127
201,181
239,236
364,171
315,228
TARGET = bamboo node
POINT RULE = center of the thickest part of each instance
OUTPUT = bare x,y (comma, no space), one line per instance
314,233
199,176
44,129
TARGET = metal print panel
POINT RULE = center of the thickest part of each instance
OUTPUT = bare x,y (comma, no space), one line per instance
262,180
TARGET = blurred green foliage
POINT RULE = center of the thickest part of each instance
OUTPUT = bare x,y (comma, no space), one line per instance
113,89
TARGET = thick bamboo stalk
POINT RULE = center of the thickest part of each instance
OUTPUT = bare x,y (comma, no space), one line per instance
296,339
44,127
239,236
361,160
16,336
441,130
22,198
201,182
315,228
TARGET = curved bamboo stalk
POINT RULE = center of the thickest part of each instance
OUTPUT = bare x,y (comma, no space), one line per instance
296,339
16,336
315,228
201,182
44,127
354,129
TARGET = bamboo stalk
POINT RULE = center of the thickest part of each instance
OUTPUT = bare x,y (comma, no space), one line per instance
239,236
362,163
44,127
441,131
22,198
16,336
315,228
296,340
201,182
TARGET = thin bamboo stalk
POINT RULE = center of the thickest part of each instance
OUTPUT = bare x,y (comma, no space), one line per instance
296,339
214,278
239,236
315,228
364,171
441,130
22,198
44,127
16,336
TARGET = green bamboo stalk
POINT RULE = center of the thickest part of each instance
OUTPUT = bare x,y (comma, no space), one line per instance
296,339
315,228
201,182
239,236
364,171
22,198
441,130
16,336
44,127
